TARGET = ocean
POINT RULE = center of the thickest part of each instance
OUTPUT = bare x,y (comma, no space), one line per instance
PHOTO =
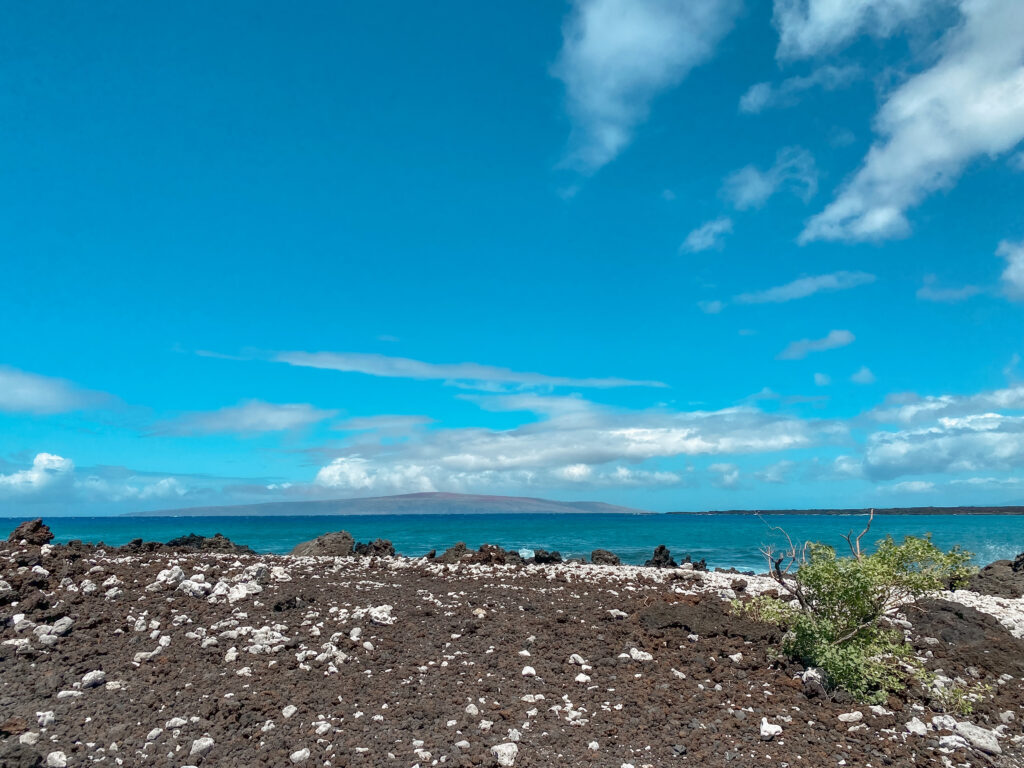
724,540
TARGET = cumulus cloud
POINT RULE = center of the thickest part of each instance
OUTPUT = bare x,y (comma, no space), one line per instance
1013,276
710,234
728,475
53,477
980,442
575,442
798,350
809,27
750,187
776,473
762,96
47,470
470,375
910,408
970,103
863,375
24,392
807,286
249,417
930,291
617,55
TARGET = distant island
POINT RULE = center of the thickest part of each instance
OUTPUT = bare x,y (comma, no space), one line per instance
404,504
878,511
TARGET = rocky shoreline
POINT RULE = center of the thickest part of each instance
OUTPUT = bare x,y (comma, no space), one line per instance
200,653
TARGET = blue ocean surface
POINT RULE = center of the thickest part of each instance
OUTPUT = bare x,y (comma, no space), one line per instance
723,539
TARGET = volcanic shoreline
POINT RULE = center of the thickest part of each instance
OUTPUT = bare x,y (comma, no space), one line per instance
217,657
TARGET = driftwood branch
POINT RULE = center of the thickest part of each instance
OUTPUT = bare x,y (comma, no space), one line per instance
854,543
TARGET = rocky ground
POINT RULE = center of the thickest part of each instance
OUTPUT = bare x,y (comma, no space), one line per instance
148,655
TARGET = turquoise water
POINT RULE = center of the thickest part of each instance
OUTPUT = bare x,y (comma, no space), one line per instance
724,540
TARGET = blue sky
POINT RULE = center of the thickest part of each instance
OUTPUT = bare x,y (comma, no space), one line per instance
675,255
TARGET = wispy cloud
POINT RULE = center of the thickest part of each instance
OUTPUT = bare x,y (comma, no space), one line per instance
930,291
249,417
762,96
809,27
798,350
807,286
24,392
617,55
750,187
970,103
709,235
473,375
1013,276
800,288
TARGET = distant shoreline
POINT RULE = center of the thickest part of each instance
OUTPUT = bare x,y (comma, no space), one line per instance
1007,510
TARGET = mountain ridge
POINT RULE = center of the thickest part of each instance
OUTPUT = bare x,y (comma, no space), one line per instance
408,503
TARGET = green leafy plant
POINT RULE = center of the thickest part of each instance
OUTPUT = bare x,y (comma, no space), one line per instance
835,610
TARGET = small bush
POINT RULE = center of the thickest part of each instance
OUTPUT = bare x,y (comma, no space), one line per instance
836,608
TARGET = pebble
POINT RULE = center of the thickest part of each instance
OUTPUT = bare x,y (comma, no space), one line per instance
851,717
299,755
93,679
505,754
637,655
56,760
529,672
769,730
916,727
980,738
201,746
288,711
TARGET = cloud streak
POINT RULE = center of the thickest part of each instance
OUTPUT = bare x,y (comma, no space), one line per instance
708,235
24,392
248,418
762,96
750,187
472,375
798,350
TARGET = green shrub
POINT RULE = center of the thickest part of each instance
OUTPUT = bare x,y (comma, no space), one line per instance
834,609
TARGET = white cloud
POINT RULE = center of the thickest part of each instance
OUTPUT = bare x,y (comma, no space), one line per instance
798,350
130,489
617,55
471,375
970,103
24,392
980,442
911,408
711,307
863,375
822,379
728,475
710,234
912,486
1013,276
750,187
762,96
807,286
575,442
930,291
808,27
354,473
249,417
47,470
776,473
390,423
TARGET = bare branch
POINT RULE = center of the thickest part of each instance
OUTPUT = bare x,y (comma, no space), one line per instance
853,543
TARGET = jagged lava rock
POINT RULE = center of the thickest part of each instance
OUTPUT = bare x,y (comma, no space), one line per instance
35,532
661,558
339,544
604,557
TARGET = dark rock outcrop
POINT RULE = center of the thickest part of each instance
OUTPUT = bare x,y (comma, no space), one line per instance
33,532
700,565
543,557
215,543
968,636
376,548
453,554
707,618
604,557
1003,578
339,544
661,558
